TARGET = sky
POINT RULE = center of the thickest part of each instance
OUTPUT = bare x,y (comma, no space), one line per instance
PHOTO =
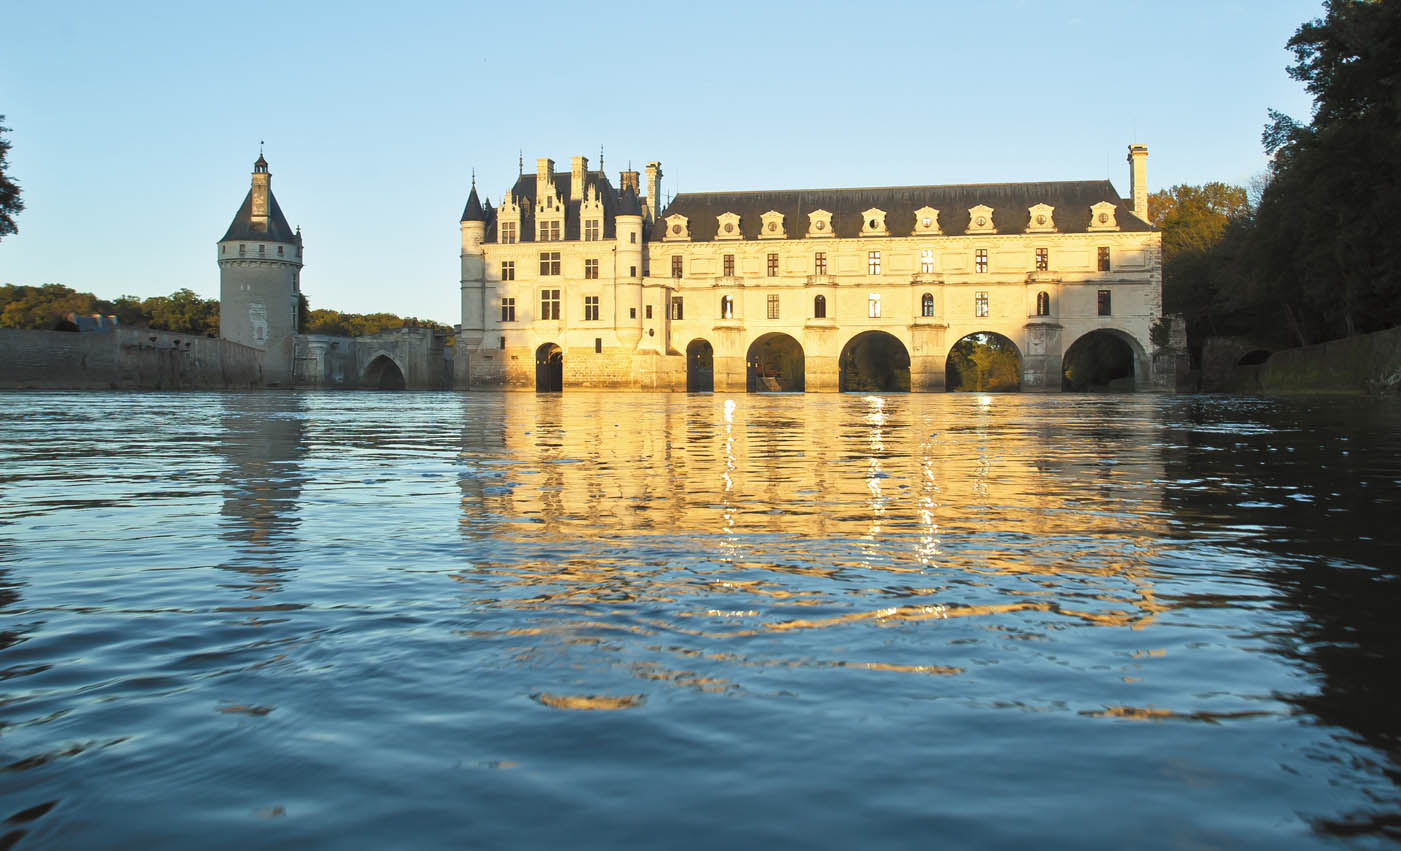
135,126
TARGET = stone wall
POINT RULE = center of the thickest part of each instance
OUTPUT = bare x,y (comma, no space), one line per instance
1366,363
124,359
420,354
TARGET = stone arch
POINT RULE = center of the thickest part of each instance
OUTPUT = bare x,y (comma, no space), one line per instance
1254,357
700,366
774,363
1104,359
984,361
383,373
874,362
549,368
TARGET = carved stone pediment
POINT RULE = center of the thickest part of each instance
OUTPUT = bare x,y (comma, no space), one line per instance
873,223
1039,219
678,228
771,225
727,226
1102,216
820,223
926,222
980,220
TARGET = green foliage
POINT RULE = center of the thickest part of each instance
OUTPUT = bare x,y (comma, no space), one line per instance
1160,333
182,310
10,203
44,307
984,362
335,323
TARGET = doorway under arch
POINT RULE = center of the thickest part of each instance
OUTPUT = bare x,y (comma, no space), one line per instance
874,362
775,365
549,369
984,362
384,374
1099,361
700,367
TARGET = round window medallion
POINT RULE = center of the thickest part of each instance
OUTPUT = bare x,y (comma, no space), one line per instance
675,228
773,226
1103,217
982,220
1040,220
729,227
873,224
925,221
821,225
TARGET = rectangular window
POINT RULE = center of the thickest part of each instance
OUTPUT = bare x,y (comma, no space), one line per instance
1043,259
819,263
279,251
647,311
926,261
729,266
632,313
508,310
508,270
632,271
980,304
598,345
676,265
873,262
773,306
242,249
591,269
873,305
980,260
632,236
503,342
1104,258
592,230
549,262
773,265
1104,303
549,231
676,311
590,308
549,304
508,233
262,249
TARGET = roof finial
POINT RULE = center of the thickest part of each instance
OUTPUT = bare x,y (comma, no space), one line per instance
260,147
474,178
600,159
521,162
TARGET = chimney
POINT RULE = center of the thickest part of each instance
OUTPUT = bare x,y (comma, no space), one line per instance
1138,180
262,188
654,189
544,176
578,168
627,179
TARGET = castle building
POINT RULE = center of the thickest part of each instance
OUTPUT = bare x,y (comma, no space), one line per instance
260,263
571,282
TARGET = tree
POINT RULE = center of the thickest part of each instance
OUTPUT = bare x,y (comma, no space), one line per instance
10,203
1194,220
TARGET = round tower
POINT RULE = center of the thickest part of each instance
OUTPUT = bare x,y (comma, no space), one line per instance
260,263
473,227
628,226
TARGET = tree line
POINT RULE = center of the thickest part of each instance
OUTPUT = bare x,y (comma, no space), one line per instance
47,307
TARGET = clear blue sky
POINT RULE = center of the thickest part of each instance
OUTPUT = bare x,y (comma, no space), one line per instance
135,126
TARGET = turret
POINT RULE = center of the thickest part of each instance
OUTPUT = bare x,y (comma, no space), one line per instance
473,227
628,226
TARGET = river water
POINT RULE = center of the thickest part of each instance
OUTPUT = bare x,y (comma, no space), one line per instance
632,620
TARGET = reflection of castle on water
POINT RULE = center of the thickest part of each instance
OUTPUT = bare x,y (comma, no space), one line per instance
261,440
925,493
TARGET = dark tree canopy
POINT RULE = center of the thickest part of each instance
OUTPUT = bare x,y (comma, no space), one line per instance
10,203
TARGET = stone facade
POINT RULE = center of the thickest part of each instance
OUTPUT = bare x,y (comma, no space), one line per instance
569,268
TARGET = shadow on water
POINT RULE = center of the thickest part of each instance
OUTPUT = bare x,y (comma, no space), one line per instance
1317,486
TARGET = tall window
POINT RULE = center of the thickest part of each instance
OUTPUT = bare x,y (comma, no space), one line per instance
591,268
676,310
773,265
926,304
676,265
819,307
549,262
980,304
873,263
1043,304
1104,302
980,260
773,305
1104,258
590,308
1043,259
549,304
729,266
632,236
502,341
727,307
873,305
647,311
508,233
549,232
598,345
926,260
508,270
242,249
819,263
508,311
592,230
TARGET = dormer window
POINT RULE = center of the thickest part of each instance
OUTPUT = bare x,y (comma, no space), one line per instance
820,223
926,221
1102,216
873,223
727,226
771,225
1039,219
677,228
980,219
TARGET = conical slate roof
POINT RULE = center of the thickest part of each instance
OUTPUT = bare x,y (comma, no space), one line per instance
628,205
242,226
473,211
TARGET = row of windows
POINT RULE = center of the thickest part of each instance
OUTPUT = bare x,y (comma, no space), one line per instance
550,301
926,262
243,250
552,232
550,265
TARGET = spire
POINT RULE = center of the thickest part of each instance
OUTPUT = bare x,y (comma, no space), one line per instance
261,165
473,211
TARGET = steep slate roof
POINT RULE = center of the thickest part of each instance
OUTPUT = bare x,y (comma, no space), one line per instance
524,194
242,226
1010,203
473,211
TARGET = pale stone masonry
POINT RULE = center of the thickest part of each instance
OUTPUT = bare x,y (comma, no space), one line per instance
572,282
